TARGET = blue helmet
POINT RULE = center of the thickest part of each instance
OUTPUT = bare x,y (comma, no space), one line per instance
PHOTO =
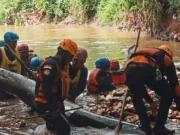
102,62
2,43
11,36
35,62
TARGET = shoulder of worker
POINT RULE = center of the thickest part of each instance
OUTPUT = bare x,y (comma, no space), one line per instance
49,67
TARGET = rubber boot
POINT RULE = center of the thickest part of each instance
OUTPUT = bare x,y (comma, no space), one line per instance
163,131
177,101
146,130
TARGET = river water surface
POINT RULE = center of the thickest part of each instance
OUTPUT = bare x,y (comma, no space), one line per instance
108,42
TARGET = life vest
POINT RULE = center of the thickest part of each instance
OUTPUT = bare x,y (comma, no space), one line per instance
61,75
93,86
13,66
74,82
118,77
138,58
148,56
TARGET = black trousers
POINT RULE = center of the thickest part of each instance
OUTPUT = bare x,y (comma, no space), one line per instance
57,123
138,77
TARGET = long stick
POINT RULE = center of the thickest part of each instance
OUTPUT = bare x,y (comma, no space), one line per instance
42,115
20,61
137,41
122,111
126,92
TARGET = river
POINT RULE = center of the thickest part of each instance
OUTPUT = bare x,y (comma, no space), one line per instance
108,42
98,41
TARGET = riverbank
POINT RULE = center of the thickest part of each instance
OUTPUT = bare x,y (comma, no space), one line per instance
167,30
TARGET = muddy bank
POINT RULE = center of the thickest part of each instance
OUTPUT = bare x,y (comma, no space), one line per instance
13,111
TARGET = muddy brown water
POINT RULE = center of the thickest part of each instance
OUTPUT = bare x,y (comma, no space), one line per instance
109,42
44,39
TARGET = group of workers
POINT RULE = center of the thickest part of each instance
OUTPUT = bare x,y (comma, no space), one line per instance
64,76
9,61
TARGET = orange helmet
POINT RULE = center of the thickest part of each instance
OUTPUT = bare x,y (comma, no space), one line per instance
114,64
167,49
81,53
69,45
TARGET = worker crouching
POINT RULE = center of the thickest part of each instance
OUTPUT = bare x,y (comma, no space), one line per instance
147,68
99,78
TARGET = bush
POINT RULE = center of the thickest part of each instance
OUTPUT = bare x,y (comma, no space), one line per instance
82,9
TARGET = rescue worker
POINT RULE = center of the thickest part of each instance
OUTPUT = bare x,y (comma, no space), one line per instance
24,53
35,63
77,74
147,67
9,61
52,86
117,75
99,78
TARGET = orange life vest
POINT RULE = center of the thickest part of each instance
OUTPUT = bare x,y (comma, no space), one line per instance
118,77
143,56
147,56
93,86
61,75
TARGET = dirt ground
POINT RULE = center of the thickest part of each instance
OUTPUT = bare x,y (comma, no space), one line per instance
10,124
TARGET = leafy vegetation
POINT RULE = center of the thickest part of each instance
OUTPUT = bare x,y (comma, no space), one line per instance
105,11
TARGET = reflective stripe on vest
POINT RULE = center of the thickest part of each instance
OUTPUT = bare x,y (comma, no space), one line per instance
93,85
61,75
13,66
74,82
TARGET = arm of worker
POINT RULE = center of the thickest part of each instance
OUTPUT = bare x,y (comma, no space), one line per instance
171,75
82,83
171,72
105,81
49,71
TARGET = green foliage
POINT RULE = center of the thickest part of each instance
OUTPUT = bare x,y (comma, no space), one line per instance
106,11
109,11
151,9
82,9
9,8
53,8
175,4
